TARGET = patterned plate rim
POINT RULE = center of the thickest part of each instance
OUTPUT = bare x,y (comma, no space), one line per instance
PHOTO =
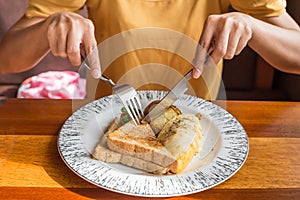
233,153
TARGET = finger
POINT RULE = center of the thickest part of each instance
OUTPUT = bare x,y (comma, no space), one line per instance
94,60
220,46
91,50
62,35
198,61
233,41
242,43
73,47
51,35
202,49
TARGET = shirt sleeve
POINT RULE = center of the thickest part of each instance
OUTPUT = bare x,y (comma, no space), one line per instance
260,8
44,8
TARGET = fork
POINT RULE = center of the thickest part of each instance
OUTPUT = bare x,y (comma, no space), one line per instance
126,93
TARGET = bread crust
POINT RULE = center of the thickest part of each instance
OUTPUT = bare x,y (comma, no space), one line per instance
138,147
102,153
126,141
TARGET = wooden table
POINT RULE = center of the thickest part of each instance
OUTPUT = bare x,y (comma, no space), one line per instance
31,168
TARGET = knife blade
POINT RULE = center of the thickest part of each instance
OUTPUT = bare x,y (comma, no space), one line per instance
179,89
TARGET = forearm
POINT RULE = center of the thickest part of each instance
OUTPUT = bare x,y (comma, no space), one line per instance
278,45
21,49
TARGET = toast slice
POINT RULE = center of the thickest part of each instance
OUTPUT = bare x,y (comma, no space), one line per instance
140,142
137,146
115,154
104,154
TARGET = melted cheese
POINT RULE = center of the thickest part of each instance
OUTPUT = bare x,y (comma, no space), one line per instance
182,137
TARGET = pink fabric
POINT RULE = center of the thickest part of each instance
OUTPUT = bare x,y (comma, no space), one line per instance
54,85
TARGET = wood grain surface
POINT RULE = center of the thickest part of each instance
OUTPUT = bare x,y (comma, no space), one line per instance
31,168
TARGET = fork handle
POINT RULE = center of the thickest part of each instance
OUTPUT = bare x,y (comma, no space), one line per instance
107,80
102,77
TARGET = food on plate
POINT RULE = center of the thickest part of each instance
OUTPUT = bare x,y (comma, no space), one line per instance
178,140
158,123
182,137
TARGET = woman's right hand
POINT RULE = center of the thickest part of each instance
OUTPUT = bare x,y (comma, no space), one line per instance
67,33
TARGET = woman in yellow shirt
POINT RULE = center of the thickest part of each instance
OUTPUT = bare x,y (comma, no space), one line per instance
154,31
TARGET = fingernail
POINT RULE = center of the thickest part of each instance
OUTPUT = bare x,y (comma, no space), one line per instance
96,73
196,73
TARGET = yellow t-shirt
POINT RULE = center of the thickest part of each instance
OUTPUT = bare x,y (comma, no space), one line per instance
150,44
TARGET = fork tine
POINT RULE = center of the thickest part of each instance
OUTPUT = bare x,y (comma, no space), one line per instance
139,107
126,93
129,112
134,109
130,100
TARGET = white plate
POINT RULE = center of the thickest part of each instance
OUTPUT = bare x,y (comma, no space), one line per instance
81,132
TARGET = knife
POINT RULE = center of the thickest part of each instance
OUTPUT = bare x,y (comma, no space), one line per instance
179,89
